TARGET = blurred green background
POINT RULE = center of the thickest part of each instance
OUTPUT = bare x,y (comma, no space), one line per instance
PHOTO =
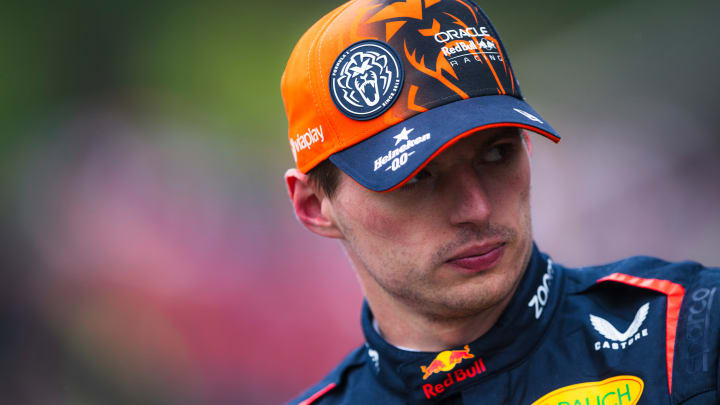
150,255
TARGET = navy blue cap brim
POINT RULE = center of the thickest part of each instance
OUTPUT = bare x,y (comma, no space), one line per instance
391,157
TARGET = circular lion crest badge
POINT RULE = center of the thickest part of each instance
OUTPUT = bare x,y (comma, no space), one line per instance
366,79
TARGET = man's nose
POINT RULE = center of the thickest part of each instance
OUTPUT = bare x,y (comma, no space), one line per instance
470,202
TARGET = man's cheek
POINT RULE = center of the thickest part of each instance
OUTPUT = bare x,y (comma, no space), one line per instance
389,226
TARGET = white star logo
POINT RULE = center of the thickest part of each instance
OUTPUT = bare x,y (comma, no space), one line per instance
403,136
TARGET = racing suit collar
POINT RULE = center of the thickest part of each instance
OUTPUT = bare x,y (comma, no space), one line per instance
434,376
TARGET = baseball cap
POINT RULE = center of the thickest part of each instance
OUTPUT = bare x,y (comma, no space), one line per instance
381,87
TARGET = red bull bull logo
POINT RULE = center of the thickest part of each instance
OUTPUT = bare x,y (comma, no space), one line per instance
446,361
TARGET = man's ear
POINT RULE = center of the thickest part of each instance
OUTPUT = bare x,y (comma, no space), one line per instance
308,205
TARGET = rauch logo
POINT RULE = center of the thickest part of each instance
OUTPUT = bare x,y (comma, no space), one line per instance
619,390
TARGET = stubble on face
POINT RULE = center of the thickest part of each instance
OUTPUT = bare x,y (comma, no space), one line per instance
420,282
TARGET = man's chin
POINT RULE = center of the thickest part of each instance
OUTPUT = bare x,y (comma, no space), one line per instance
467,300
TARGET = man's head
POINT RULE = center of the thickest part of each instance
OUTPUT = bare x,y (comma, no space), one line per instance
406,123
452,241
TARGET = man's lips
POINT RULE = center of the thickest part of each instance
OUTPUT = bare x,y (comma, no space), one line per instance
478,258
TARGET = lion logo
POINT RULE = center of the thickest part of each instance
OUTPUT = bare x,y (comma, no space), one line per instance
366,79
360,77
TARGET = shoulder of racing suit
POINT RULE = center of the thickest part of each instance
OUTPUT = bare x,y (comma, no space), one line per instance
352,381
327,390
689,294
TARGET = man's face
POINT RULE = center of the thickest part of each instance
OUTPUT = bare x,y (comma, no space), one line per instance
453,241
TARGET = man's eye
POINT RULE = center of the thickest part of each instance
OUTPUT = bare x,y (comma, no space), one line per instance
495,153
421,175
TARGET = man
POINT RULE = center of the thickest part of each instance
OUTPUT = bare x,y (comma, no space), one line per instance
408,129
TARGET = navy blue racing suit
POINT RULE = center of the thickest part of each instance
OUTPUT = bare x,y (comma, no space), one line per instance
638,331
